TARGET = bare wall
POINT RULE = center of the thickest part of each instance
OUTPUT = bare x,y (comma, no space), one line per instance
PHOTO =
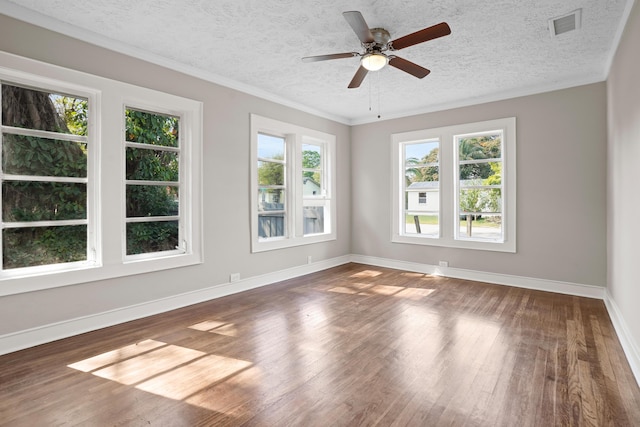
226,185
561,187
623,90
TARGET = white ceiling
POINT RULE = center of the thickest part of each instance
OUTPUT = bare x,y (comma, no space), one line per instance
497,48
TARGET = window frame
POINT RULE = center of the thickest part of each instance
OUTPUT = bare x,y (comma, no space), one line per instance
106,192
449,182
295,137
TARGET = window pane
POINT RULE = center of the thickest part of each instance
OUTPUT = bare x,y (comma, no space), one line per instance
270,173
313,217
311,184
152,200
423,224
145,237
270,147
271,225
271,199
40,110
421,162
311,156
476,200
29,155
43,201
151,128
481,227
32,246
152,165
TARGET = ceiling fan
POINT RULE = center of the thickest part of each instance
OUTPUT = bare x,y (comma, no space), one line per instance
376,43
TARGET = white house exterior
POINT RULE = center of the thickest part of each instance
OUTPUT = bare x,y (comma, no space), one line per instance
423,197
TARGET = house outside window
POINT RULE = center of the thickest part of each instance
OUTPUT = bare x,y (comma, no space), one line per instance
293,185
455,186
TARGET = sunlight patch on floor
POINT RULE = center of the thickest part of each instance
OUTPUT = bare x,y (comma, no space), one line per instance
366,273
368,289
216,327
164,369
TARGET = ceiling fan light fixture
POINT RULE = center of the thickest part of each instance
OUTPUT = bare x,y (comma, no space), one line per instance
374,61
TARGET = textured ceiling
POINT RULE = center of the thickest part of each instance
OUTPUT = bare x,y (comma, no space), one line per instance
497,49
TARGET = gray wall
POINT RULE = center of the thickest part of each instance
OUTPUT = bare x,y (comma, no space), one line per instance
226,185
561,187
624,162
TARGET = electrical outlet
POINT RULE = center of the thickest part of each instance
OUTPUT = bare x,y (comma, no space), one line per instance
308,259
234,277
444,263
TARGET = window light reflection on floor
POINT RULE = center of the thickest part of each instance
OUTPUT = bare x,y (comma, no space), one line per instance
164,369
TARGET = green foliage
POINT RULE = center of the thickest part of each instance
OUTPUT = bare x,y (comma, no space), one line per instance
271,173
311,160
419,173
146,237
28,201
152,165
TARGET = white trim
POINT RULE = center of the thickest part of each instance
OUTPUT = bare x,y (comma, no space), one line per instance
629,346
568,288
55,331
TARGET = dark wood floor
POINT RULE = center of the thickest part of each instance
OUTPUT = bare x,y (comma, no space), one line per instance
354,345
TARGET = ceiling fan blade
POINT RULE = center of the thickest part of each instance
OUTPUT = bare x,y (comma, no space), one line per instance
331,56
426,34
358,78
408,67
359,25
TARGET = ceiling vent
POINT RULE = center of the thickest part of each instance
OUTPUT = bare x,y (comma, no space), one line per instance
565,23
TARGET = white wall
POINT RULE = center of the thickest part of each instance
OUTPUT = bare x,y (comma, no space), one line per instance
226,172
561,187
623,204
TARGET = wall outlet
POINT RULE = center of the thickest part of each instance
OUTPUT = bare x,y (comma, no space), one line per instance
308,259
234,277
444,263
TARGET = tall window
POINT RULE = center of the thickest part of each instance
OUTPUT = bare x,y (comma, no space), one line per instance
272,211
421,176
45,148
152,179
479,187
293,185
314,187
455,186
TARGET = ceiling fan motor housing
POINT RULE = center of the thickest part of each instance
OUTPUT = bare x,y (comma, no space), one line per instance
380,38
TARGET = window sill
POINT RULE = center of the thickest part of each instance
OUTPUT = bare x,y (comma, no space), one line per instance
506,246
78,273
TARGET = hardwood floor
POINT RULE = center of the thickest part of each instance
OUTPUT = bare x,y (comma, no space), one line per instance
353,345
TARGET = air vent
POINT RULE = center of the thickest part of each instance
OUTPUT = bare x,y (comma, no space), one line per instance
565,23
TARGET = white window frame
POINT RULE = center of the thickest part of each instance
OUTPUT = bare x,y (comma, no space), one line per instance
183,199
448,174
295,136
106,176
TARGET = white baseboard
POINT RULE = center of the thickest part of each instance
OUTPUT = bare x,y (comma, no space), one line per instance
630,347
43,334
55,331
556,286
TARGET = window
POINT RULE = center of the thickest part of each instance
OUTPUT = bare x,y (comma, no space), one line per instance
293,185
455,186
45,178
152,180
100,179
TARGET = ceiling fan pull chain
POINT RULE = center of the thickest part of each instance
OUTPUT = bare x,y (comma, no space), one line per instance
378,95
